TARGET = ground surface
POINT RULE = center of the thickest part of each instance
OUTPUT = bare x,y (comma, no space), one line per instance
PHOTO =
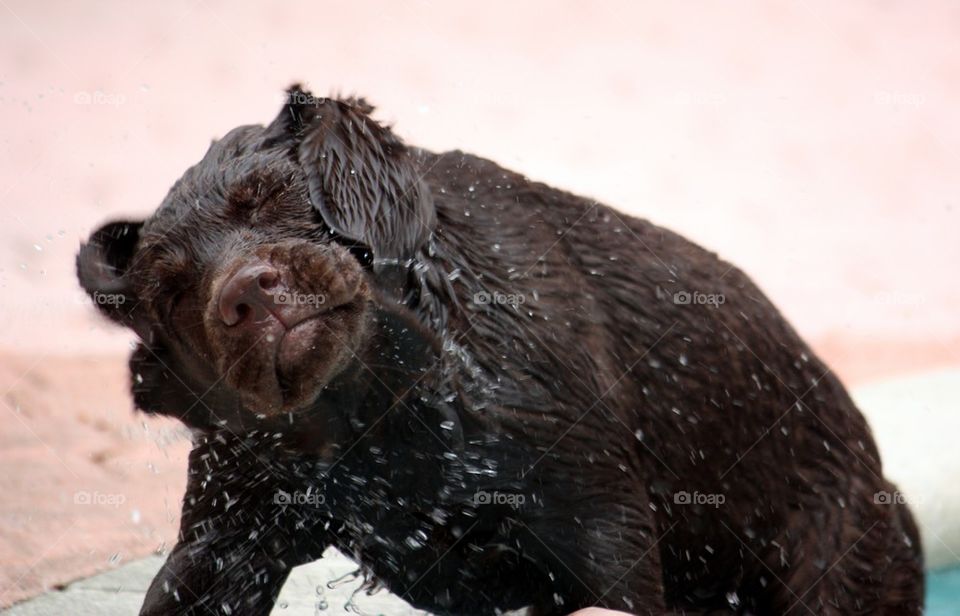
814,144
307,593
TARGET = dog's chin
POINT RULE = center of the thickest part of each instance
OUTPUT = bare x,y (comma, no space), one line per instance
294,366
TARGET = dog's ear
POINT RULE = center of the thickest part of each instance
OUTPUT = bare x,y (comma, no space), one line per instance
155,387
361,177
162,385
102,264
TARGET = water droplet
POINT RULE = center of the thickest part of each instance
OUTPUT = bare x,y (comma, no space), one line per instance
346,578
733,599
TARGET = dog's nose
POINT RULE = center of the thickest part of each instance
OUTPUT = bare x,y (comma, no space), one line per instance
249,293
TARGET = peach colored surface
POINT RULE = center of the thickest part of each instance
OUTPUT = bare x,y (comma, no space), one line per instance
815,144
85,484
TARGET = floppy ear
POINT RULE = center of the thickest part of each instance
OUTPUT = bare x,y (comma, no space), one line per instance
101,264
362,178
155,388
160,384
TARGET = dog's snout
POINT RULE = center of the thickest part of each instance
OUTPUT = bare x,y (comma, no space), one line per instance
249,293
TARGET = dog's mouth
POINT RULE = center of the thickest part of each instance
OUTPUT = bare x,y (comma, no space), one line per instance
281,328
290,365
294,347
294,344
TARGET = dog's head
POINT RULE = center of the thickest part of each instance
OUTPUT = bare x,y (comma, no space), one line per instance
254,282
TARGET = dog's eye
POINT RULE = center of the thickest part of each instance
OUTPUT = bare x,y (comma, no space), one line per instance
171,305
247,207
362,254
253,195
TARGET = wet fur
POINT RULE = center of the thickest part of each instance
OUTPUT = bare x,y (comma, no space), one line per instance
598,399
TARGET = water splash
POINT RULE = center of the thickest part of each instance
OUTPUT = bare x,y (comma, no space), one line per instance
344,579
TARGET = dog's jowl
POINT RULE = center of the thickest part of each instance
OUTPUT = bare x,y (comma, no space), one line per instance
490,393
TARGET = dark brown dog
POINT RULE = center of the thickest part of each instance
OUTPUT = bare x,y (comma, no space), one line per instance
490,393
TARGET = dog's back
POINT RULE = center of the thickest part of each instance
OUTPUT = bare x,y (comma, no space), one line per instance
763,482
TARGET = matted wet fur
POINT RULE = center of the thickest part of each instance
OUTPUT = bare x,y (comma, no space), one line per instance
488,392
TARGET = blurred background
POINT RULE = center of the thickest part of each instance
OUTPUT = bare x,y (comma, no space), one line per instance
815,144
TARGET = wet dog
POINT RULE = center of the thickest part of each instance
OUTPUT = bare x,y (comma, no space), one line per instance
490,393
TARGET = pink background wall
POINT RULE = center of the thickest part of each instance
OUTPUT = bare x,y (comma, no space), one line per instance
815,144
